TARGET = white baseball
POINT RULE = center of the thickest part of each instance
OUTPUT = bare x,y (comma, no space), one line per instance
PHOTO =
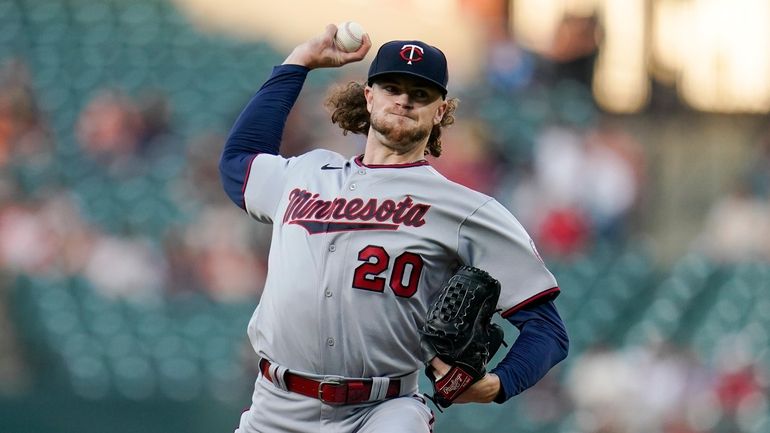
349,37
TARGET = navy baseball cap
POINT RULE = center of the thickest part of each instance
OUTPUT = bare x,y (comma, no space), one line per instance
412,58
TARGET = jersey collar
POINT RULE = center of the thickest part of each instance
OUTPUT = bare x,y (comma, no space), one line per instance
360,162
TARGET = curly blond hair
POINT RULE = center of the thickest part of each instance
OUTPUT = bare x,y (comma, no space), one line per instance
347,105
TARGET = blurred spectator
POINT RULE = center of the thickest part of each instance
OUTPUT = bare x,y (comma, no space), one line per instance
44,237
129,268
183,275
199,182
737,227
613,171
667,378
26,145
559,165
110,128
547,402
231,274
75,237
741,385
601,384
574,49
155,112
563,232
468,159
642,389
522,189
297,138
22,129
587,185
561,227
222,243
26,242
509,66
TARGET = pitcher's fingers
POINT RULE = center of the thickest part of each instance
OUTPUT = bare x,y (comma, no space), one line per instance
360,53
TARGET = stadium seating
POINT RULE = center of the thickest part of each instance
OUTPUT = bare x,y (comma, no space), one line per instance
187,348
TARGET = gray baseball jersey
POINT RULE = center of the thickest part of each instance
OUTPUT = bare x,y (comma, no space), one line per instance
358,253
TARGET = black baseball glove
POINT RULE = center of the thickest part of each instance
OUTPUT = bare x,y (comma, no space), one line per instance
460,332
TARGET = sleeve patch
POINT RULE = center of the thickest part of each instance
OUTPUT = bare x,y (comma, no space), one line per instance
534,250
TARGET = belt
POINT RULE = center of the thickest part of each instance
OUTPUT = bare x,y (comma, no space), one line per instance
331,390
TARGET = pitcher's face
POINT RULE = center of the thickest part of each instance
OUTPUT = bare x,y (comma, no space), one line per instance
403,110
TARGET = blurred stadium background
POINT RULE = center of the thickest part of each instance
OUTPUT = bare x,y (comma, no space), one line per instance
630,137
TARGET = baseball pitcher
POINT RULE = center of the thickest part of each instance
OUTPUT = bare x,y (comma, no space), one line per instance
380,269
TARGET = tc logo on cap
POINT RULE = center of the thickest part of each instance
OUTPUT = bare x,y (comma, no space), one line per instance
411,53
411,57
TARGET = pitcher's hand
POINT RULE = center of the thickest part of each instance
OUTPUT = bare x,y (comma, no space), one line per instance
321,52
483,391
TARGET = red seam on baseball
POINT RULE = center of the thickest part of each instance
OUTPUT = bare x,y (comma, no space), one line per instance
352,36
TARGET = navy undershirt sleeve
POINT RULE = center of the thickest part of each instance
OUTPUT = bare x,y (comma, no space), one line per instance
542,343
259,127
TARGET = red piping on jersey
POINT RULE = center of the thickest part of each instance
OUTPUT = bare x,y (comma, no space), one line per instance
360,161
246,179
546,293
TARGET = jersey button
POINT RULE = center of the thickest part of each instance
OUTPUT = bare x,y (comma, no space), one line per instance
362,171
328,293
330,341
352,186
332,248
